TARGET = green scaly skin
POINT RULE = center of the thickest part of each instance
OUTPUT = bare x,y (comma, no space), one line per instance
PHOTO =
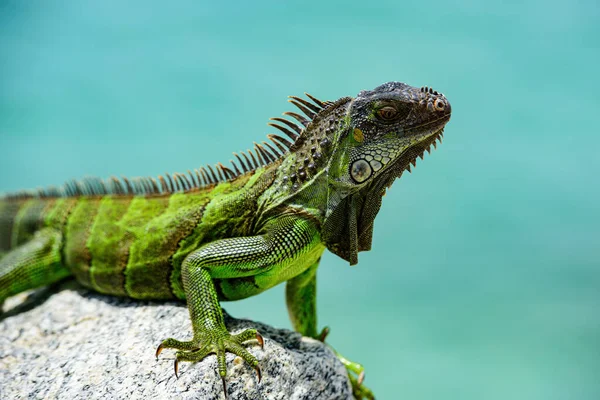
236,235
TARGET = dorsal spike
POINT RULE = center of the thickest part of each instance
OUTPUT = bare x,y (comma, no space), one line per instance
187,182
137,186
254,163
147,185
154,186
89,190
280,145
273,151
132,186
307,104
198,177
212,173
116,185
192,179
304,109
219,169
266,154
315,100
176,182
297,117
71,188
226,171
291,134
229,174
127,185
206,176
170,181
80,188
163,184
288,123
262,159
103,187
237,171
241,162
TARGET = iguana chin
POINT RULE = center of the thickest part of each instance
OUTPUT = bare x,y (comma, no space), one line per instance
227,233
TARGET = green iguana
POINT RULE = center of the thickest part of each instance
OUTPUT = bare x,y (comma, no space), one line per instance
227,233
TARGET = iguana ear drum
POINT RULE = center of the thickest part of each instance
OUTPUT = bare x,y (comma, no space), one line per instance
360,171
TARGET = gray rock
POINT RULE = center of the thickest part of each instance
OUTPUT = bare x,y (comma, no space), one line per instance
68,343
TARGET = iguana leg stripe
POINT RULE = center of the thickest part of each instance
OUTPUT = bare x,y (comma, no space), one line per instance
28,220
57,217
141,211
8,212
105,244
77,255
149,268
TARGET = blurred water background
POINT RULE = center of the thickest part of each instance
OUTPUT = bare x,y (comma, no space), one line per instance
484,278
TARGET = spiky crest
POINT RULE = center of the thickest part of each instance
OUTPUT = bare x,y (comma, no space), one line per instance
261,155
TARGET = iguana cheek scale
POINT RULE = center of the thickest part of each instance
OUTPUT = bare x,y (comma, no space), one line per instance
227,233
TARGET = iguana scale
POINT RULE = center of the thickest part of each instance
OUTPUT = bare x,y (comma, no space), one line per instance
227,233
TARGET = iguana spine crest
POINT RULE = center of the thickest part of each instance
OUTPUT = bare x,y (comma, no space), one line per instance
263,154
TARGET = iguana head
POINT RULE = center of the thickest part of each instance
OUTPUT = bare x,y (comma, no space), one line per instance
384,128
384,131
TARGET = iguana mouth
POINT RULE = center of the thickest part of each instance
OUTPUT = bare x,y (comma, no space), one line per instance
410,155
443,120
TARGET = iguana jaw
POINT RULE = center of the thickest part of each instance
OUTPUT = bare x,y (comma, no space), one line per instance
422,138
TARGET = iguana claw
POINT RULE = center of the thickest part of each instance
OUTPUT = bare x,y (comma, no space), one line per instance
261,341
361,377
257,369
159,350
217,342
323,335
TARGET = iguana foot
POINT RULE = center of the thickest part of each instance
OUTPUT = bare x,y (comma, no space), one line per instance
215,341
359,390
356,372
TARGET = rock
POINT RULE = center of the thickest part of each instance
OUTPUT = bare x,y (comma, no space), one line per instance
65,342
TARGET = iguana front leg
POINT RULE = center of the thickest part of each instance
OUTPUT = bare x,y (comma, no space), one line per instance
300,294
269,257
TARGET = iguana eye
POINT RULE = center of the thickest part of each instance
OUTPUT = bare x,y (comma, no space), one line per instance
360,170
387,113
439,105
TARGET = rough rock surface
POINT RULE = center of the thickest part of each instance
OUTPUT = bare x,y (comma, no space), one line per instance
68,343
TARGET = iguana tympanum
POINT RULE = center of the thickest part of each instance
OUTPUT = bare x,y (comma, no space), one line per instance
227,233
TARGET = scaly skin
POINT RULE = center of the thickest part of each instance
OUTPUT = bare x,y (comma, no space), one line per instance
233,234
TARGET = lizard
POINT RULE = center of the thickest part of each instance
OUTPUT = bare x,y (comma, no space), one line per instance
224,233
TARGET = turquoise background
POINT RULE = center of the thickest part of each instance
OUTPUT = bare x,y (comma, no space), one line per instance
484,278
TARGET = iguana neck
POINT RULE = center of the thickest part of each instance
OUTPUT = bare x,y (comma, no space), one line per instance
301,177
